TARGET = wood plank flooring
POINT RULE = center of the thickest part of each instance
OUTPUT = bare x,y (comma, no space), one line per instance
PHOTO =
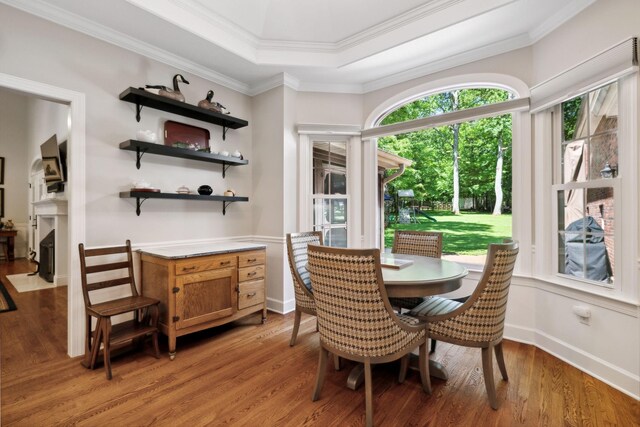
247,375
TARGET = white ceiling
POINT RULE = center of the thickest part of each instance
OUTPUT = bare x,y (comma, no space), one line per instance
325,45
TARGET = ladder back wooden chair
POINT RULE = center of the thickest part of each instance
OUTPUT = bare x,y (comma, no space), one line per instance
479,322
111,273
355,318
410,242
297,250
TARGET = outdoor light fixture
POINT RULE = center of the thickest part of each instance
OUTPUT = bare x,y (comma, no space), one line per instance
609,171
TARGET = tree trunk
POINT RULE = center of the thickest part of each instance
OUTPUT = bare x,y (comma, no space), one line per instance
497,208
455,203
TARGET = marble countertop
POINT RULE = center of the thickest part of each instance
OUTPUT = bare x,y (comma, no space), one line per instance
200,249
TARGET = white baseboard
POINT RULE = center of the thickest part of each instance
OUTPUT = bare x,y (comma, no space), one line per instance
61,280
281,307
620,379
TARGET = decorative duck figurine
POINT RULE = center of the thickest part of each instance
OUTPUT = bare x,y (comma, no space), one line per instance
169,93
207,104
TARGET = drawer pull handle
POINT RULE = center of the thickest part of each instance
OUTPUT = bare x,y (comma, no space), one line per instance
225,263
253,273
188,268
251,295
252,260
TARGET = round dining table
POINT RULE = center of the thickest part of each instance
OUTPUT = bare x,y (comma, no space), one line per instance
415,276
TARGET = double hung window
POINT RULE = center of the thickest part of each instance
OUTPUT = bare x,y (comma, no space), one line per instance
586,184
330,200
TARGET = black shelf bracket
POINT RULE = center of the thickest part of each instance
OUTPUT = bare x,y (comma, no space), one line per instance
138,110
139,154
224,132
225,166
139,204
224,207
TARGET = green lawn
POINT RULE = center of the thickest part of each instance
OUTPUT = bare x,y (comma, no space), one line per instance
466,234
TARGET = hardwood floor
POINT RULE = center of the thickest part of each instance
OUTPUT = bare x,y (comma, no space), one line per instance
248,375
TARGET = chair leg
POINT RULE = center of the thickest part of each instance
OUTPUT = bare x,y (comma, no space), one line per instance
336,362
487,370
106,338
296,325
97,339
423,360
500,359
368,393
322,370
404,365
87,341
433,346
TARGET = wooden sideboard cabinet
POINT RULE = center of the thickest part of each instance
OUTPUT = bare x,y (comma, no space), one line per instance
203,291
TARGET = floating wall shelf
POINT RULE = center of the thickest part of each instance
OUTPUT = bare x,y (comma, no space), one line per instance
142,98
141,196
141,148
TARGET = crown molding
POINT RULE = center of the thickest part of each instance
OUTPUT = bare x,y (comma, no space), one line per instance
255,41
462,58
559,18
93,29
393,24
281,79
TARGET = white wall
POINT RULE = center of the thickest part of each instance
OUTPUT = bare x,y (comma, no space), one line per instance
269,190
13,147
42,51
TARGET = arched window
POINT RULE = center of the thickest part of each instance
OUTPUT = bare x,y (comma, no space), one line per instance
460,179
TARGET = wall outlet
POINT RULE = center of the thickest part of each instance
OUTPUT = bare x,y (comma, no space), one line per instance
583,312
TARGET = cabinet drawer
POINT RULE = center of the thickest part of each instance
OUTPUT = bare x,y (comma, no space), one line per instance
251,273
250,293
251,258
196,265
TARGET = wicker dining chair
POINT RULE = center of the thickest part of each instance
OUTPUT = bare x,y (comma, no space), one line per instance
409,242
355,319
297,250
479,322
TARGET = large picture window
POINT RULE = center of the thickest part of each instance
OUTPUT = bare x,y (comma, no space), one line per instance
585,182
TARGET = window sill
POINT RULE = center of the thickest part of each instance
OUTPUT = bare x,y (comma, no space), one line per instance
604,297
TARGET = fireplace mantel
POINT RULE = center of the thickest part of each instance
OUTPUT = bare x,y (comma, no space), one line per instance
50,207
51,214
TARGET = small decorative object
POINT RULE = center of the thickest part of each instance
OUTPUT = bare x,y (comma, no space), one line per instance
146,136
174,94
224,153
204,149
180,145
141,184
183,189
608,171
207,104
205,190
230,192
237,154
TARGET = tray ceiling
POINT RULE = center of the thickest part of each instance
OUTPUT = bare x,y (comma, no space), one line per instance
329,45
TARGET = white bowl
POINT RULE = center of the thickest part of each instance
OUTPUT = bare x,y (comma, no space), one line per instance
146,136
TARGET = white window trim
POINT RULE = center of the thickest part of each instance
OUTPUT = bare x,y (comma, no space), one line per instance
627,274
350,134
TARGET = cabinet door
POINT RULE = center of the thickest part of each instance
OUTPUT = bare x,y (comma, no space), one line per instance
205,296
